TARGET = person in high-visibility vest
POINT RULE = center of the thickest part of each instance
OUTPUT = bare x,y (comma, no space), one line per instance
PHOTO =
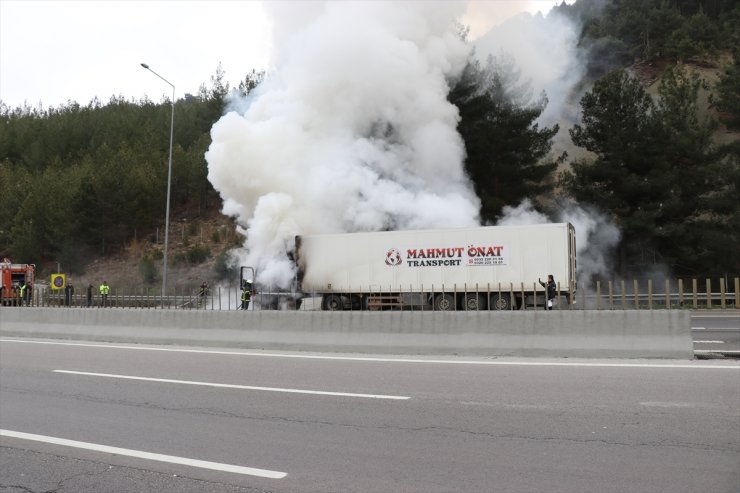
22,293
104,290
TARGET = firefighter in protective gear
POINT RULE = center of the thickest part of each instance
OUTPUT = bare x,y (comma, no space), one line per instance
203,292
22,294
246,295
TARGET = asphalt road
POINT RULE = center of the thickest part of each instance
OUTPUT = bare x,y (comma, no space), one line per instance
320,424
716,333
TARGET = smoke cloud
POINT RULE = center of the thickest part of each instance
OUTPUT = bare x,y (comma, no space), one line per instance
351,132
596,239
596,235
546,50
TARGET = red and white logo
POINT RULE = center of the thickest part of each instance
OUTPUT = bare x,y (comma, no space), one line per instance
393,257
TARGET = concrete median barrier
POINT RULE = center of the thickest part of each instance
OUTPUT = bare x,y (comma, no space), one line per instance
577,333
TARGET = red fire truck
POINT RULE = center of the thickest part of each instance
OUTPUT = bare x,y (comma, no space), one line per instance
12,279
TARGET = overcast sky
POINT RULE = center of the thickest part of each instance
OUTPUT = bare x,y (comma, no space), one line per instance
52,52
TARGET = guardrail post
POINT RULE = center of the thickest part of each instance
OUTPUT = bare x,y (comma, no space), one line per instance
571,294
583,298
680,292
667,294
709,293
650,294
611,294
737,292
695,295
512,298
636,293
598,295
524,301
722,291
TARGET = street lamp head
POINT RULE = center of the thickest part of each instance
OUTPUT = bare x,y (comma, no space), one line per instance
145,65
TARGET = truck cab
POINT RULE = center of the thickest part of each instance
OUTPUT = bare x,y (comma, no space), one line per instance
13,278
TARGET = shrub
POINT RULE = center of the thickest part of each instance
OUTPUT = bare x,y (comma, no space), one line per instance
148,270
198,254
223,267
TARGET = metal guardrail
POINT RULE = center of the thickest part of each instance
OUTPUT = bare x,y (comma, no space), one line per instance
600,296
611,295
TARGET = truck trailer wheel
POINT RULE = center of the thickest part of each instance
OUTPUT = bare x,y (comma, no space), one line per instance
475,301
500,301
333,303
444,302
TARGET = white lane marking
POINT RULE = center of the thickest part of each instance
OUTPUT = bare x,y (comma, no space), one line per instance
674,404
709,342
717,315
698,366
232,386
698,328
203,464
719,351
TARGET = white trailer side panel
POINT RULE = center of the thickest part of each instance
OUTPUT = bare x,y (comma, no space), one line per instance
459,259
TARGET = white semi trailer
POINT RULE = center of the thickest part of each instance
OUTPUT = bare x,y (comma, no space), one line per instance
494,267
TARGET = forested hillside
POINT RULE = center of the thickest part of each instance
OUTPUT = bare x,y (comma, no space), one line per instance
82,181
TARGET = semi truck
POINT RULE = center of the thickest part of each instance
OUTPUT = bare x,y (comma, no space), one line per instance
483,268
16,283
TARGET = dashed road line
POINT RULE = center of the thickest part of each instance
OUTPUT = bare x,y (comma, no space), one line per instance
216,466
233,386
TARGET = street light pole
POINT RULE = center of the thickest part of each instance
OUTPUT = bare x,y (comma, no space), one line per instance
169,183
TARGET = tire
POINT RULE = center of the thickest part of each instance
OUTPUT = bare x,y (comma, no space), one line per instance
474,302
333,303
500,301
444,302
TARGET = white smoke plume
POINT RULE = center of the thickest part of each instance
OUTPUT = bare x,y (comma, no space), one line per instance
596,234
522,215
352,131
546,50
596,238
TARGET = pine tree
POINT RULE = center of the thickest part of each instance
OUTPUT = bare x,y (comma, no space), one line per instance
657,173
506,149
